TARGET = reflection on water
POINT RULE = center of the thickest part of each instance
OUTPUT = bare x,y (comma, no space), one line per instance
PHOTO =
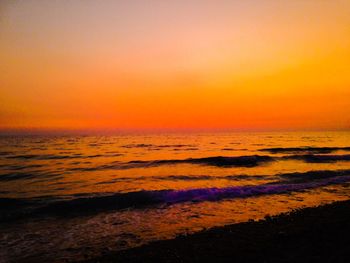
114,192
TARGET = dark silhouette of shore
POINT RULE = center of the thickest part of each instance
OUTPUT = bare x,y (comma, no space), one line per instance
319,234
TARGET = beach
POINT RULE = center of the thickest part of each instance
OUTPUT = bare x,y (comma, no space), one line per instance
318,234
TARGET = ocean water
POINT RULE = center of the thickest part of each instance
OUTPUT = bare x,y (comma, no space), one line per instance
66,198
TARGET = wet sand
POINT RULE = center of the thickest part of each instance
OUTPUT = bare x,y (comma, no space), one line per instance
319,234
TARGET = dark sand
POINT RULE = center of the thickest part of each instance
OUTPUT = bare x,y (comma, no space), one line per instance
320,234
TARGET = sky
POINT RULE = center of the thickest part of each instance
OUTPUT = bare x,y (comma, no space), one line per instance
175,65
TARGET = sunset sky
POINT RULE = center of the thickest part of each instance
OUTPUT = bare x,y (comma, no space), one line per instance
184,64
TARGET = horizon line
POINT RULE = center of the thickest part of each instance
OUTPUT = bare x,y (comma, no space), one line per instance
120,131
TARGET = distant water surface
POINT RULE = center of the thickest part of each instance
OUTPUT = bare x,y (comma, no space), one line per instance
77,197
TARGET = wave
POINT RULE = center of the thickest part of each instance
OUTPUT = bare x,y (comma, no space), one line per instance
142,145
141,199
184,178
147,198
12,176
220,161
20,167
297,176
314,175
313,158
57,157
248,161
307,149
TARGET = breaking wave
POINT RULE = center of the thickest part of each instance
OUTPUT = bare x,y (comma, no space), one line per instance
288,183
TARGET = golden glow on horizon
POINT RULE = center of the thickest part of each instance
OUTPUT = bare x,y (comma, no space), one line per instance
188,64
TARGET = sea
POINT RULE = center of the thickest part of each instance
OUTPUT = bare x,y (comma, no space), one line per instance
70,198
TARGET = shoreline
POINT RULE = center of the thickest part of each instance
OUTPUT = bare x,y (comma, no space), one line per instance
315,234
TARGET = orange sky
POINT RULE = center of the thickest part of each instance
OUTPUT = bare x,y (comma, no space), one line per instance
195,64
